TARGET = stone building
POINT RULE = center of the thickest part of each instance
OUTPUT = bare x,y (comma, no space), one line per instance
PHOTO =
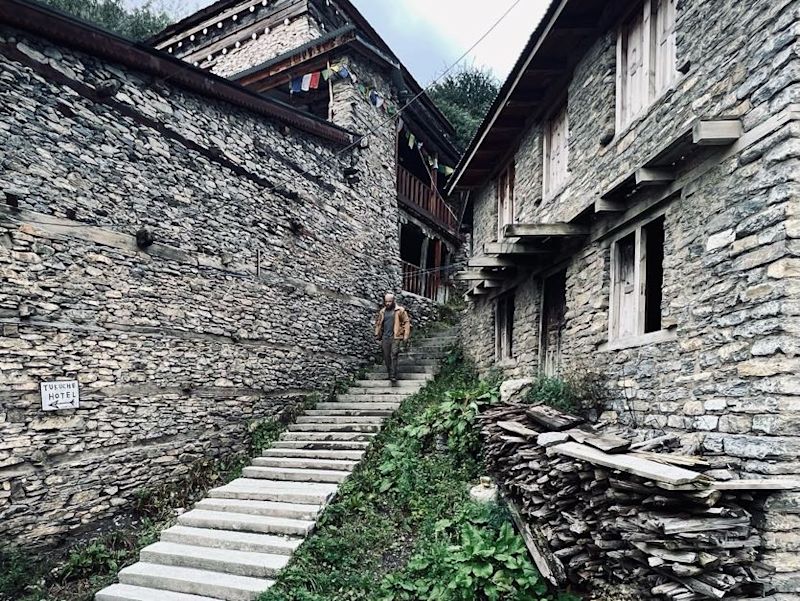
271,46
634,204
194,254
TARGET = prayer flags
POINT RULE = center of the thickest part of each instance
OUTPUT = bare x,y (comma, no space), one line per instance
296,85
412,140
306,85
314,81
326,74
343,72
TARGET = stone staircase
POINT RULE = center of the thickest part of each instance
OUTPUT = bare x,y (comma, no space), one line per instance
234,542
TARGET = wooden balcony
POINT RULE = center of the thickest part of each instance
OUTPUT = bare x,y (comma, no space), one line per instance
429,283
426,201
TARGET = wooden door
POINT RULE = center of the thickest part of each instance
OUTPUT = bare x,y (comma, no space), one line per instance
554,310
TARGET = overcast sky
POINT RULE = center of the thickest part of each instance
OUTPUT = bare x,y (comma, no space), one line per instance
428,35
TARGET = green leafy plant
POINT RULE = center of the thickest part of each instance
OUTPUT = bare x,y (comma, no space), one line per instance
487,562
16,571
577,391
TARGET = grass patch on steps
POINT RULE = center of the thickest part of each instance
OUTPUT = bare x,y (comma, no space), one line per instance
403,527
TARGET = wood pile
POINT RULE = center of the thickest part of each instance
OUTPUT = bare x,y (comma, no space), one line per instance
595,505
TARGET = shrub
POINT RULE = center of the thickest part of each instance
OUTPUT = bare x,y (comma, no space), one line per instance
581,392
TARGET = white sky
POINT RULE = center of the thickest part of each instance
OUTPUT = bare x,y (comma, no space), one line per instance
428,35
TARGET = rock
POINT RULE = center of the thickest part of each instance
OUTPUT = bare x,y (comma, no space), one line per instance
512,391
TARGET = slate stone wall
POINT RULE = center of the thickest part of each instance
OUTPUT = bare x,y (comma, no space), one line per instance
730,296
252,297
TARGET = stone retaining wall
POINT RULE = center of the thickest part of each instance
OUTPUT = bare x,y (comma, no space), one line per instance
251,298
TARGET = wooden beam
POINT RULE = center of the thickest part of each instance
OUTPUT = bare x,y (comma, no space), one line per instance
474,276
513,248
717,133
609,206
491,284
490,262
544,230
653,176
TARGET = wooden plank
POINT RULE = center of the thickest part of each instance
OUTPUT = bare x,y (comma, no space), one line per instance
466,276
548,564
653,176
552,419
490,262
519,429
544,230
630,464
765,484
717,133
491,284
609,206
608,443
513,248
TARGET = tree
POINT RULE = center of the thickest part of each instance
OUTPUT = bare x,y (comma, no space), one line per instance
137,24
465,97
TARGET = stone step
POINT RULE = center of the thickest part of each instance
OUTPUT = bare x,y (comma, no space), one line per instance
242,522
413,368
295,475
238,563
408,377
314,454
281,492
126,592
195,582
358,405
412,360
349,412
369,398
296,511
341,419
400,393
330,428
328,436
321,445
306,463
401,384
229,539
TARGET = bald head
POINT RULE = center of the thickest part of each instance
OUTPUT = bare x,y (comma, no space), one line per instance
388,300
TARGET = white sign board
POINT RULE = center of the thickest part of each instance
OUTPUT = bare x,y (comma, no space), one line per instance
57,396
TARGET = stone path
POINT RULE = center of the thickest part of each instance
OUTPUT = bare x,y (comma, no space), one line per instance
235,541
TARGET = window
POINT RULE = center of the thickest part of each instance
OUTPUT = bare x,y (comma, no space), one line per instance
646,58
504,327
637,277
505,199
556,153
554,321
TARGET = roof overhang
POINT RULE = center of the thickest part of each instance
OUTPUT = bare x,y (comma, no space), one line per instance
68,31
536,85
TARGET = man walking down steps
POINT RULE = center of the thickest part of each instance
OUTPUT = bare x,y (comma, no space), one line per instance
392,328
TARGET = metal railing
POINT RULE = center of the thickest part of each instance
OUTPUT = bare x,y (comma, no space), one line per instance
414,191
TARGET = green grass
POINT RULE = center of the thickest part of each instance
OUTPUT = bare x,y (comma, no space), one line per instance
403,526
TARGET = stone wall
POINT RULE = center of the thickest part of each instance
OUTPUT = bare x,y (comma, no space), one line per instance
727,377
252,296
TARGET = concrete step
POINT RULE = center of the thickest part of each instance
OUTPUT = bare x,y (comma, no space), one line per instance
228,539
242,522
306,463
238,563
194,582
349,412
296,475
314,454
375,420
296,511
403,385
369,398
320,445
381,375
359,405
280,492
126,592
400,393
330,428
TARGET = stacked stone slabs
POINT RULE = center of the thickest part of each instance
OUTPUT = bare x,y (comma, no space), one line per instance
234,543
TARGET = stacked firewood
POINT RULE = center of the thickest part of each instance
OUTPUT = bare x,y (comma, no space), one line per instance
597,506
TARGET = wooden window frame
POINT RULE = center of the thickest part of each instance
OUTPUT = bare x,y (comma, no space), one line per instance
554,182
639,231
506,210
659,74
504,327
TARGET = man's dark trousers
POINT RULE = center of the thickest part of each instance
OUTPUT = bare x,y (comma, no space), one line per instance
391,352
